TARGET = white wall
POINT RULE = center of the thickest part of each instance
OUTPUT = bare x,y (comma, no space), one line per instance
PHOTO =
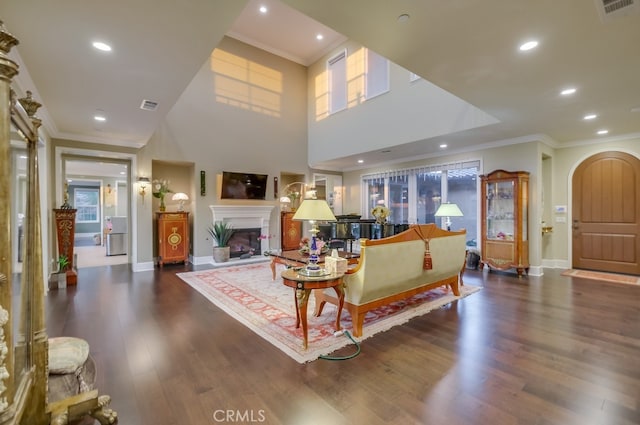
410,111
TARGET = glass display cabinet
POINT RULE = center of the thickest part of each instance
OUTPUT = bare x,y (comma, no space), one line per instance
505,239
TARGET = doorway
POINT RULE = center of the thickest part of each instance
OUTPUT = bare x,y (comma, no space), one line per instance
99,190
606,212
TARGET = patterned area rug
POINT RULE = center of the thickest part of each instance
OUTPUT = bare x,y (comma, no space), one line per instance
267,307
606,277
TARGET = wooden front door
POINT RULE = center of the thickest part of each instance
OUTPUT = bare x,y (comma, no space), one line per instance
606,210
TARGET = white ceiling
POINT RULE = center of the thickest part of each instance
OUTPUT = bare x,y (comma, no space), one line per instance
467,47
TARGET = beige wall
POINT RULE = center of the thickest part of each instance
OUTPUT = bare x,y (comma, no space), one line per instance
213,136
549,180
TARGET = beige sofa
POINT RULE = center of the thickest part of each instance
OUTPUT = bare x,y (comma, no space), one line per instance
391,269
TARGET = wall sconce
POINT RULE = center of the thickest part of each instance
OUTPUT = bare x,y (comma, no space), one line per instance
180,197
109,188
142,182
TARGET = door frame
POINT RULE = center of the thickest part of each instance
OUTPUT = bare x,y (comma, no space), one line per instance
59,178
572,171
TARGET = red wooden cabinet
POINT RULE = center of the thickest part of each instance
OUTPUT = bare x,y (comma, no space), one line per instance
291,231
173,237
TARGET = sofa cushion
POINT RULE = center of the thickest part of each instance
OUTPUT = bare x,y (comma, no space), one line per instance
67,354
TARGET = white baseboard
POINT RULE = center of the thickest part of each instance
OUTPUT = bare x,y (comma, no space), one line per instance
143,267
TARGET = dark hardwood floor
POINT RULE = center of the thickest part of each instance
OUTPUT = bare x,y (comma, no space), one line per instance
532,350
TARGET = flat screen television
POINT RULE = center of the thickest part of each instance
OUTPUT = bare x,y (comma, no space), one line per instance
243,186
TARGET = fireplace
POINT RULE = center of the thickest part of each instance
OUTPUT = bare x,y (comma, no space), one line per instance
245,241
250,223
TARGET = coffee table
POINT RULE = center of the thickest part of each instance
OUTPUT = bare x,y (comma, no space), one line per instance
293,258
302,286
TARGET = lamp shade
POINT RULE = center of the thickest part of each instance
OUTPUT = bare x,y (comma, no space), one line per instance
180,197
314,209
448,210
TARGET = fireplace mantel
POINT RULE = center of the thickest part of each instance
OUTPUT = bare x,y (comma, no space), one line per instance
244,217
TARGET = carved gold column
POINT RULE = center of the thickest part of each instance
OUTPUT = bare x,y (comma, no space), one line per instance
8,69
33,281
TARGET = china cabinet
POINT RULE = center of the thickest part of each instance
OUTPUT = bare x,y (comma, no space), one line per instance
173,237
505,238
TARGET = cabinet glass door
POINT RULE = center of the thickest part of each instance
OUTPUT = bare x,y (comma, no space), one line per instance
500,210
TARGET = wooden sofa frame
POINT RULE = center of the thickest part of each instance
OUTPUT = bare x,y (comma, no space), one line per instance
358,312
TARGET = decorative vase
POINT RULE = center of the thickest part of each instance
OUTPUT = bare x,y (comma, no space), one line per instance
162,206
221,254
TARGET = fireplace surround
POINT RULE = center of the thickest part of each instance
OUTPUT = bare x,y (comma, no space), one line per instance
248,218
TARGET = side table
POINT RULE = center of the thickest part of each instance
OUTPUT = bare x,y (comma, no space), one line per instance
302,286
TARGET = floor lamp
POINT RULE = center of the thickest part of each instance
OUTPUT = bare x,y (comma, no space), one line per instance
448,210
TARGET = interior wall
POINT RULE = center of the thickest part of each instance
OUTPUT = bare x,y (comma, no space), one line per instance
410,111
208,128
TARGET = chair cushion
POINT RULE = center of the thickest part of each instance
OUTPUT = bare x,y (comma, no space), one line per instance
67,354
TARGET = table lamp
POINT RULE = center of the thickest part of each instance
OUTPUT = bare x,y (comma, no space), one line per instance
180,197
448,210
314,210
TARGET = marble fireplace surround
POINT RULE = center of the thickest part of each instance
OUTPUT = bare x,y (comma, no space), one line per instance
245,217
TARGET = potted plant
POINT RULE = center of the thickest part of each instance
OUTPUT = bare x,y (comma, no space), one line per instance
63,263
221,233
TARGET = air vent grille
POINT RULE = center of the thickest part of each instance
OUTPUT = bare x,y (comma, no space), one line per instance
611,6
149,105
610,9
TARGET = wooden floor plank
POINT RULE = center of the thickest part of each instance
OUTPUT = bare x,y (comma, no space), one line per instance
529,350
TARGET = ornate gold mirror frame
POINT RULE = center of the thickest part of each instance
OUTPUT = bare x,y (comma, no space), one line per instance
24,342
23,355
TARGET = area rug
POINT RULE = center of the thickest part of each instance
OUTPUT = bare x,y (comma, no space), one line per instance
248,294
606,277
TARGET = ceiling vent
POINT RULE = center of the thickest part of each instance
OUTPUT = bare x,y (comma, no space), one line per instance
610,9
149,105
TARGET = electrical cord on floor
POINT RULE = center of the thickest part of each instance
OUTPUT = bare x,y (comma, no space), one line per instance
356,343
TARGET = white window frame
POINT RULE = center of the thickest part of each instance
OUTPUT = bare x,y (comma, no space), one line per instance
337,72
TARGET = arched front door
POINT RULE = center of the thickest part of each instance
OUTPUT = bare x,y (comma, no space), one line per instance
606,212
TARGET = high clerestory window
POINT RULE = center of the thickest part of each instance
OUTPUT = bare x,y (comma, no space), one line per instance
356,77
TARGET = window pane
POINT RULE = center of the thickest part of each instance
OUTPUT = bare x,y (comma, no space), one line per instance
428,186
375,194
399,199
86,202
377,74
463,191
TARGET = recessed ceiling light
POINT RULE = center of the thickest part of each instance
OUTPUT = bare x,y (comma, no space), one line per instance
442,146
360,161
603,132
529,45
263,9
319,37
123,173
403,18
101,46
99,118
568,91
590,117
